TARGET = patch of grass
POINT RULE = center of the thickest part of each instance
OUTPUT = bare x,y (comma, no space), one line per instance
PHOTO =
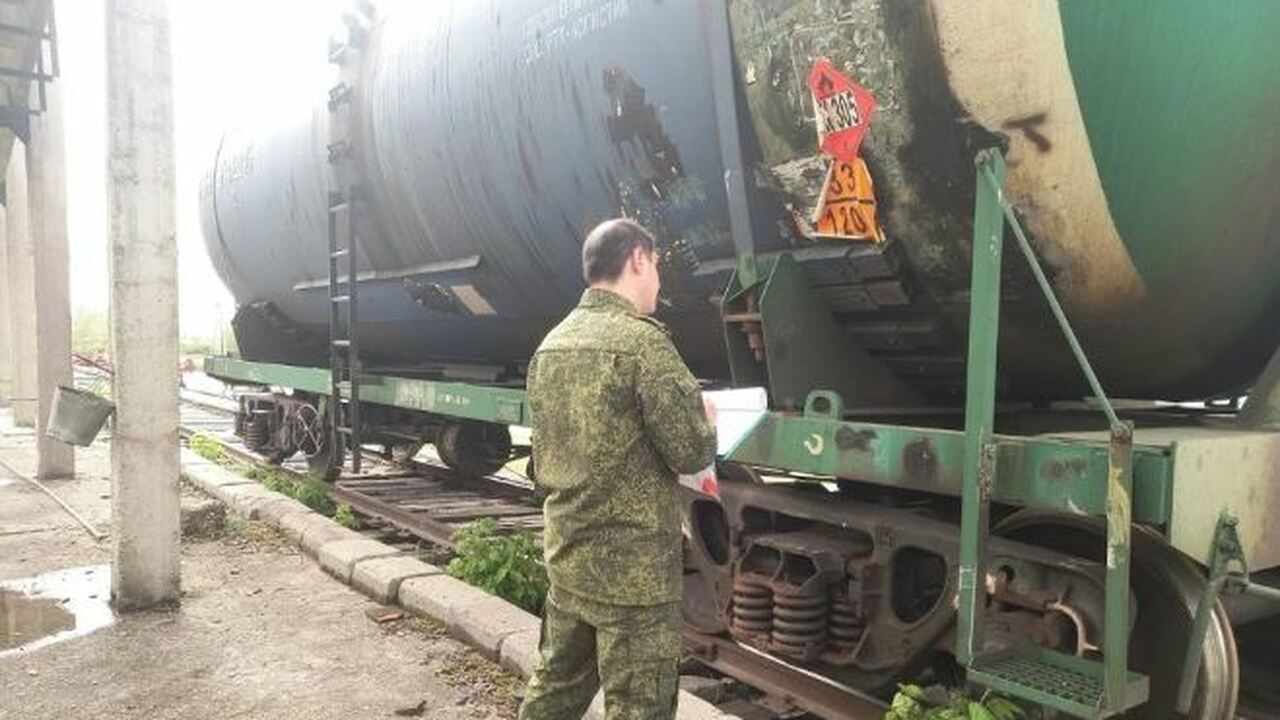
207,447
315,495
509,566
346,517
311,492
914,703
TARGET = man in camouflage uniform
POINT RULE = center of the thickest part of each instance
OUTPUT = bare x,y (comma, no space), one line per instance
616,415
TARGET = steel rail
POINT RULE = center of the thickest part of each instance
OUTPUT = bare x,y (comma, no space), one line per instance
426,528
805,690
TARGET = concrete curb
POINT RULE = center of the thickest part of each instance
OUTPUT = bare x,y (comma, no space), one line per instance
492,626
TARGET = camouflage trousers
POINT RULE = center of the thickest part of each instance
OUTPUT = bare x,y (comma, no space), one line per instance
630,651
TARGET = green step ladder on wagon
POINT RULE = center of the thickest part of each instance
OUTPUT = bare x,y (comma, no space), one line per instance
1077,686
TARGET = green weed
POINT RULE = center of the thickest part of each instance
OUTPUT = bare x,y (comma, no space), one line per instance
207,447
911,703
312,493
346,517
509,566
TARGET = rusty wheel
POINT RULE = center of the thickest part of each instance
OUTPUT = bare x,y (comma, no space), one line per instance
474,448
1167,587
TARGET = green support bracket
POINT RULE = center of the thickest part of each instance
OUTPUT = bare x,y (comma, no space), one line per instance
1226,550
979,412
1115,625
1076,686
740,313
781,333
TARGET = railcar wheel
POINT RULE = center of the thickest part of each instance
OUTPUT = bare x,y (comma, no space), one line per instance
310,424
474,448
403,453
309,430
1167,586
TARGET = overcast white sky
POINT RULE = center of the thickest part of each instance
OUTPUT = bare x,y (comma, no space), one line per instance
231,59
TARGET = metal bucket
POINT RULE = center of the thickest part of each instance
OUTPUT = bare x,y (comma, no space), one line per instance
77,416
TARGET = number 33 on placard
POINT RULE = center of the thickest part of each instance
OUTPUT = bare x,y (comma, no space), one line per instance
848,207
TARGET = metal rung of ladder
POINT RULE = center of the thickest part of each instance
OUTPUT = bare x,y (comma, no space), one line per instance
1074,685
344,355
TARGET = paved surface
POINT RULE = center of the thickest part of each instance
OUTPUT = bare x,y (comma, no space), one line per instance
262,632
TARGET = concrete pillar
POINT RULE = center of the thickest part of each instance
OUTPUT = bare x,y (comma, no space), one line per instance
22,289
144,303
6,338
47,198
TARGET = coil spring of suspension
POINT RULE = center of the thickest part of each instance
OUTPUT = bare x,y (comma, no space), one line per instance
799,623
752,608
845,628
255,429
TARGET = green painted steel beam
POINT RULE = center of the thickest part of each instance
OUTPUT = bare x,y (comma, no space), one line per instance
1065,475
1069,476
231,370
979,469
458,400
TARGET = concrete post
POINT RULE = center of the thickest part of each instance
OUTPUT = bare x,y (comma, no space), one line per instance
22,289
47,190
6,338
144,303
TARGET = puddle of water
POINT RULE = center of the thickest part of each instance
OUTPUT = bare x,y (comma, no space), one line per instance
50,608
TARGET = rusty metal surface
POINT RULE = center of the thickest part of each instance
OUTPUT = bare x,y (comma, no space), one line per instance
783,682
433,504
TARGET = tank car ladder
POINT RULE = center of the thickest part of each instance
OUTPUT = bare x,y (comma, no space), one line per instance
343,216
344,343
1077,686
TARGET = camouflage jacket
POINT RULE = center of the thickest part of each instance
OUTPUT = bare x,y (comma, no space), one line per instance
616,416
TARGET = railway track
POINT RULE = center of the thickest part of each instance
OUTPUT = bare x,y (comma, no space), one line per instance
427,501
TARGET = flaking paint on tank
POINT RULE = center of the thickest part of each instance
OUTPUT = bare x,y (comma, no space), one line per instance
469,149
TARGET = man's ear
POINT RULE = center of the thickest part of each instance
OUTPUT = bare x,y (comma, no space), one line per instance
636,262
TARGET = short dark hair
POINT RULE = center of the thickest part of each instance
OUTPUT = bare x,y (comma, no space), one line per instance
609,246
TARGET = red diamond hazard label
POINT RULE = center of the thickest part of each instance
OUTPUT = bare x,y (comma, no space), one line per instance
843,110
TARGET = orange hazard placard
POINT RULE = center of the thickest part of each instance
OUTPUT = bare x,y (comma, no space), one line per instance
848,207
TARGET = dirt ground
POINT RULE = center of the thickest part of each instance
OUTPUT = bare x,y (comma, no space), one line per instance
261,632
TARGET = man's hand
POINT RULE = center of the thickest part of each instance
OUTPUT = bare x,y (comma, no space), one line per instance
709,408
